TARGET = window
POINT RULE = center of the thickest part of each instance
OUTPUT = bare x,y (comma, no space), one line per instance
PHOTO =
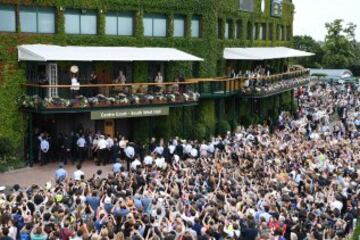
249,31
238,27
247,5
155,25
227,30
263,6
195,27
179,26
7,19
276,8
121,24
80,22
262,31
37,20
254,32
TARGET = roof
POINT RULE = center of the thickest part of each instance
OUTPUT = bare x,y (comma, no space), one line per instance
263,53
332,73
44,53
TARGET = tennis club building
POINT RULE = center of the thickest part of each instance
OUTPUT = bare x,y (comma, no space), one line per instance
141,68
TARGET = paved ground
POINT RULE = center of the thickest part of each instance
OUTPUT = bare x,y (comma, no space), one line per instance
42,174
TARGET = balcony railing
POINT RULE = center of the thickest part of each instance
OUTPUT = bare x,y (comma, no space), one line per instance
169,93
108,95
261,86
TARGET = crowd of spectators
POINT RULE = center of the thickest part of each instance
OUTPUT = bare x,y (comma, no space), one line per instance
299,182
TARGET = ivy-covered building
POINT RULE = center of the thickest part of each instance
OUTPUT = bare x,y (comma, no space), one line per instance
203,28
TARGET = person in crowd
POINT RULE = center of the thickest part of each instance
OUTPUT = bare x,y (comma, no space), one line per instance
78,174
44,150
81,148
60,174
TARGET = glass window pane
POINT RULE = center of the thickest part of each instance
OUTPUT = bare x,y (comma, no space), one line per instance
28,20
111,25
72,22
88,23
227,30
148,26
125,27
159,26
179,26
46,18
195,27
7,19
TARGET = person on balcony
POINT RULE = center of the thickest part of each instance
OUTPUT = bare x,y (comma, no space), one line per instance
158,79
75,86
232,73
120,79
93,81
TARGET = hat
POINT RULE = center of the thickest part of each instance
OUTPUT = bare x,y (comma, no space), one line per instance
2,188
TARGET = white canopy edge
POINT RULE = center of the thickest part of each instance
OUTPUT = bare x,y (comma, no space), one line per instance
263,53
44,53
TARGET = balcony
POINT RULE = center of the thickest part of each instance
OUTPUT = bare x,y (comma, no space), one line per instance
256,87
46,98
60,98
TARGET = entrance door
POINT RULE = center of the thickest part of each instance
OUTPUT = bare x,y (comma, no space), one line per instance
109,127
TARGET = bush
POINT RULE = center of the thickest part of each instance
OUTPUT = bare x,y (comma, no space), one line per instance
6,147
223,127
199,131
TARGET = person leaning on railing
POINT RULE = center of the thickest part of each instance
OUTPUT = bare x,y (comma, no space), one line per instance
75,87
120,79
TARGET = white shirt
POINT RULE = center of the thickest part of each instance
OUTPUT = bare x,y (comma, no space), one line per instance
44,146
75,85
148,160
129,151
160,163
81,142
159,150
110,142
78,174
102,143
135,164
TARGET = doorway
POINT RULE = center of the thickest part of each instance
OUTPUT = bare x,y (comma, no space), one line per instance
109,127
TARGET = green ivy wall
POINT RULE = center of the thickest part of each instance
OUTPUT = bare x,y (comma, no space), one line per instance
214,14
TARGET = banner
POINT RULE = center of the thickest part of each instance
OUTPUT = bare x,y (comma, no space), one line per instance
129,113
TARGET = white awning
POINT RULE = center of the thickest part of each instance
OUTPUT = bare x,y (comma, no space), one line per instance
263,53
44,53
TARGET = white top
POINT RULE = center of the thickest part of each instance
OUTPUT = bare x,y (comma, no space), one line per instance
81,142
135,164
148,160
44,146
78,174
75,85
129,151
102,144
110,142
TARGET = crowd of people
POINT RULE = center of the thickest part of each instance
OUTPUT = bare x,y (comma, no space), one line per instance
299,182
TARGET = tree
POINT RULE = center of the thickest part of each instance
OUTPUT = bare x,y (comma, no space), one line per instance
340,49
308,44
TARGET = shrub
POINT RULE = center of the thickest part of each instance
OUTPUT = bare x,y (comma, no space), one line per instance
6,147
199,131
223,127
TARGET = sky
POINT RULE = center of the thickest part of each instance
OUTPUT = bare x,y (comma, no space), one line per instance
311,16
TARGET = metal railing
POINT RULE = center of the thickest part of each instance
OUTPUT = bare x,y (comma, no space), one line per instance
105,95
